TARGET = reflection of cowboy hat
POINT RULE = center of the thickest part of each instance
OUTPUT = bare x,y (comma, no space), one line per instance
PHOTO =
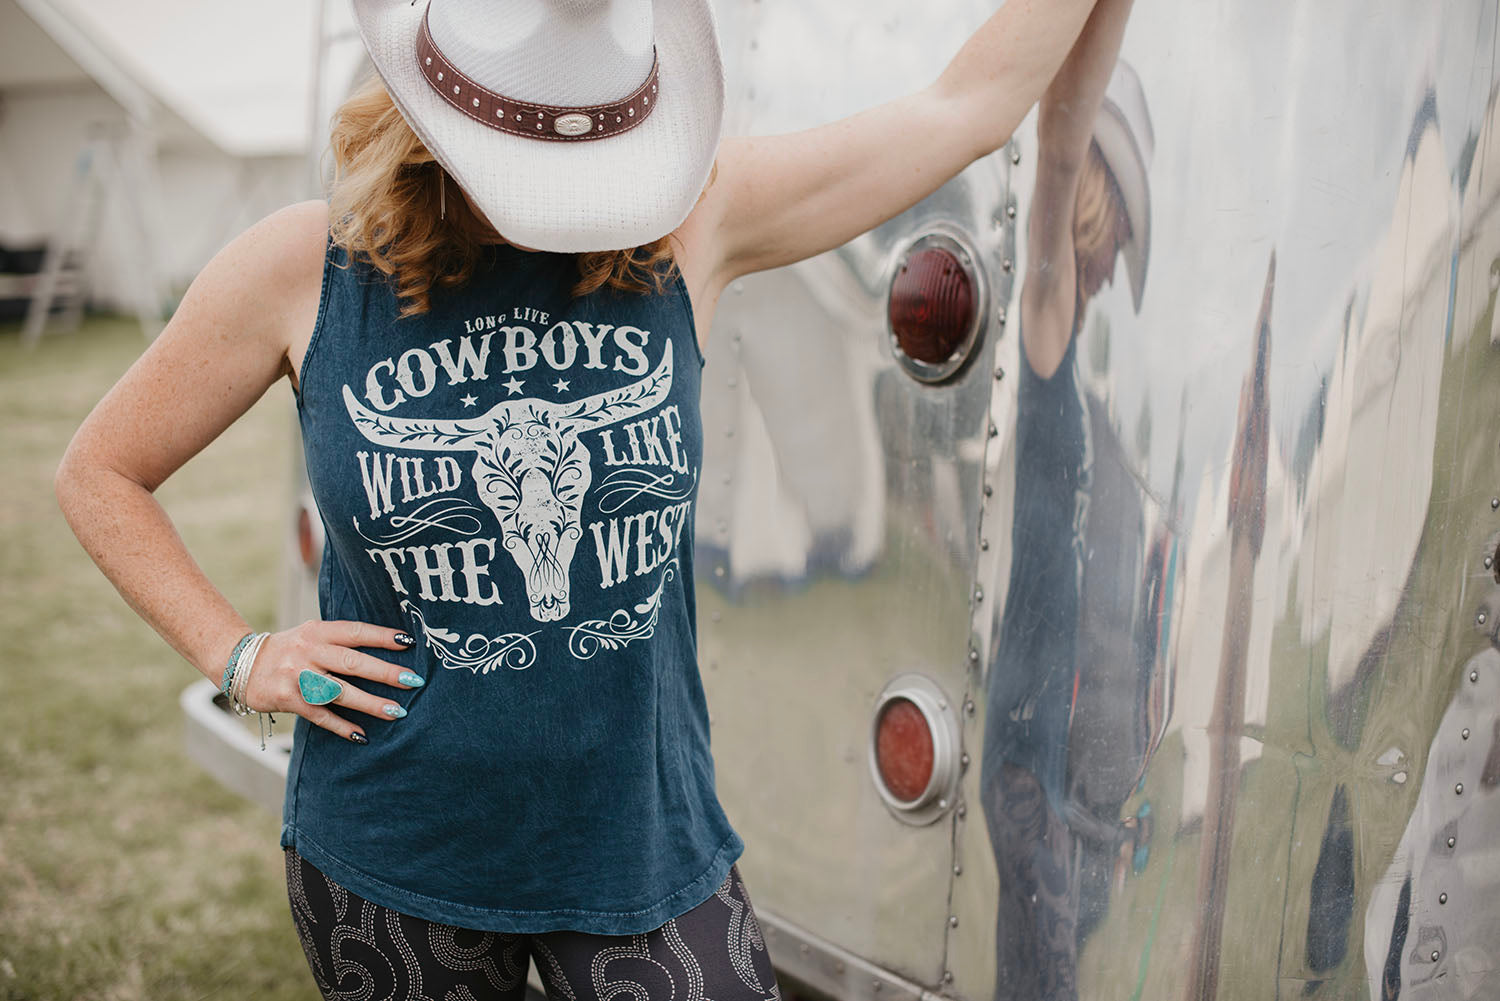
551,114
1123,134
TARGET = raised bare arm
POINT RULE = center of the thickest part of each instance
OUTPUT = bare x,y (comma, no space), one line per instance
1065,127
780,199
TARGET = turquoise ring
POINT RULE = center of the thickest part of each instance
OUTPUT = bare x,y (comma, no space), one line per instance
318,689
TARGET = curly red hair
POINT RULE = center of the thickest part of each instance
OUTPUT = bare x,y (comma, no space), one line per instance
387,204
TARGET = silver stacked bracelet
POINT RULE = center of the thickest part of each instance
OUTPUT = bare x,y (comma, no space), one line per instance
236,680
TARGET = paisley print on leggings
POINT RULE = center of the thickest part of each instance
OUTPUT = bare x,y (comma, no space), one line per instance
358,950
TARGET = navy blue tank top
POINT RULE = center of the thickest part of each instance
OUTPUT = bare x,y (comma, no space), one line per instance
511,478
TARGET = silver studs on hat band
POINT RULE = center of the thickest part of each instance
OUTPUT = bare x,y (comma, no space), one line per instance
552,122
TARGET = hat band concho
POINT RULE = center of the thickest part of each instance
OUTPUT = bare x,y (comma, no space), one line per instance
522,118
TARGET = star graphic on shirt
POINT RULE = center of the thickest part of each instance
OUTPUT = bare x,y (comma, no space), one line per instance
469,401
513,386
561,385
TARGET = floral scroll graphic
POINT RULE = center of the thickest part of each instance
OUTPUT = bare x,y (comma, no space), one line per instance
479,653
589,637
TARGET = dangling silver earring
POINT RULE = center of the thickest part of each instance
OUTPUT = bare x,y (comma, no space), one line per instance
442,195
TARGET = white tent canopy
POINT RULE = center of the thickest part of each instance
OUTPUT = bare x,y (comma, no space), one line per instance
221,106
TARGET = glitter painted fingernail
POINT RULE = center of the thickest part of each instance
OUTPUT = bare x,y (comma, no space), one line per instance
393,711
359,738
411,679
405,639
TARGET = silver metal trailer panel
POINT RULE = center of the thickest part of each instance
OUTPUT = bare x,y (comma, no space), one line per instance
1253,670
1168,669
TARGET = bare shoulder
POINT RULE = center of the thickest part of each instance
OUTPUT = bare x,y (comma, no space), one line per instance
284,247
227,342
268,280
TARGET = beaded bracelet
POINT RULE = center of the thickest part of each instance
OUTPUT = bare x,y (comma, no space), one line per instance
237,682
234,657
240,683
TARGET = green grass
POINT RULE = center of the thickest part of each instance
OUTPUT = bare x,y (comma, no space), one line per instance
125,872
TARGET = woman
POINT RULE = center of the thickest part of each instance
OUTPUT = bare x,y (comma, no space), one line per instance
1058,687
489,388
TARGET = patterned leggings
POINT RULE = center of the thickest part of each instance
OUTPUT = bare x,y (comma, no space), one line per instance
361,950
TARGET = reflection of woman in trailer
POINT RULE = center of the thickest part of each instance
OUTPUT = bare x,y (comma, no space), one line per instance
1090,204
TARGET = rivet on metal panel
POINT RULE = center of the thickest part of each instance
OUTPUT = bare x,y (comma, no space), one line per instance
963,759
1435,955
999,373
984,544
1494,503
1007,264
979,594
1000,318
1465,734
1481,617
1010,211
1015,156
1489,561
973,656
988,490
719,570
947,976
958,870
1442,898
1452,842
942,703
1458,789
994,431
942,804
953,921
963,811
1474,677
969,704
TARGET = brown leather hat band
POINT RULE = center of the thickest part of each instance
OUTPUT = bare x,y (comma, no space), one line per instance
534,121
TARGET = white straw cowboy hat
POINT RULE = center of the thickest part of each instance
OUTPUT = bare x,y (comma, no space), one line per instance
572,125
1127,142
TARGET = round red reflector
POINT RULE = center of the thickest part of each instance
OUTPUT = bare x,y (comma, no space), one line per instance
903,749
932,305
305,545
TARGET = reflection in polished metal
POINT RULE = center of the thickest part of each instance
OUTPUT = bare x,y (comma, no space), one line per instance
1208,594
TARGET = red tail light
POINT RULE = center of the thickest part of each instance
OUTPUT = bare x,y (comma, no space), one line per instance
903,750
935,307
914,749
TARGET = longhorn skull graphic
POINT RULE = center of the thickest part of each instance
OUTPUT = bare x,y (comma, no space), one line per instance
531,469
